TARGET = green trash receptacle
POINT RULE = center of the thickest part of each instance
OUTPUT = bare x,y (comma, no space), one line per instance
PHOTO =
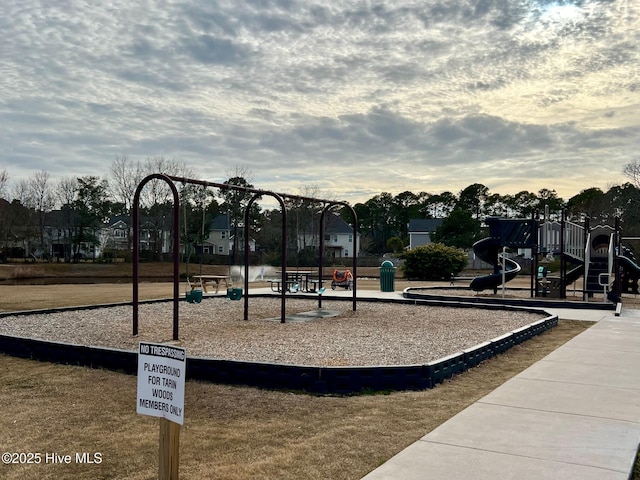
387,276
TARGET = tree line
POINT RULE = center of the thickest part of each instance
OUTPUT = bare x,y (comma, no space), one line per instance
84,204
384,219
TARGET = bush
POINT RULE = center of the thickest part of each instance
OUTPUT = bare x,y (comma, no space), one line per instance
395,245
434,261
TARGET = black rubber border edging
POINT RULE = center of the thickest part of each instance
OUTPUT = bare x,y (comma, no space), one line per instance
347,380
413,292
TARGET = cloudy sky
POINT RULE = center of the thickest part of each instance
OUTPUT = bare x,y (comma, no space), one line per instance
351,97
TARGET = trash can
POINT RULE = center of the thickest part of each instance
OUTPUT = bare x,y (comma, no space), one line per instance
387,276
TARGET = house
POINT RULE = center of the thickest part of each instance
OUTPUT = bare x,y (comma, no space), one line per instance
220,238
339,239
218,241
421,229
62,234
115,235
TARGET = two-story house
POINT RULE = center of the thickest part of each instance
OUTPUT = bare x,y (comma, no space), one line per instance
421,230
116,235
219,241
339,238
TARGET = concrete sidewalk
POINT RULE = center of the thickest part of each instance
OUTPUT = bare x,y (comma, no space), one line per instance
573,415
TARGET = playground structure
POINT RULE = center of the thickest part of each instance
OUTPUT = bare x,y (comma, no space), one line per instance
594,253
255,195
584,251
330,379
503,234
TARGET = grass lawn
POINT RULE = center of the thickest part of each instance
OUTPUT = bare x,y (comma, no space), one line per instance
229,432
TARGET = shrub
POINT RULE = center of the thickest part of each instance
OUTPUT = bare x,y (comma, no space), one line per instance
434,261
395,245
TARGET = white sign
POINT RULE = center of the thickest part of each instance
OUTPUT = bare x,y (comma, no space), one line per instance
161,374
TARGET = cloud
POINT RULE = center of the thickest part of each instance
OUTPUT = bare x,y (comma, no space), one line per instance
356,98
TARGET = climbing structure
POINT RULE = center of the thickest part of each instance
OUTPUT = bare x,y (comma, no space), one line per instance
584,252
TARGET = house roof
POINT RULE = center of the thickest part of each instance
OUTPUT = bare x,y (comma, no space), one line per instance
221,222
424,224
335,224
55,218
119,219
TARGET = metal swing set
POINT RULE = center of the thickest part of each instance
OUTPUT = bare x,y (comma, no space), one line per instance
256,194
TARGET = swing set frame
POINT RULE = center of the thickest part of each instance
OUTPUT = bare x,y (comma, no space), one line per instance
256,194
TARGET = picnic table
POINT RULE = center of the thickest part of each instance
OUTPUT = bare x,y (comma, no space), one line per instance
296,280
205,280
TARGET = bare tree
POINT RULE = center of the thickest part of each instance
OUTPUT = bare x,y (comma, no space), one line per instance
4,210
126,175
240,171
632,171
156,192
306,215
66,192
4,180
43,199
156,196
23,194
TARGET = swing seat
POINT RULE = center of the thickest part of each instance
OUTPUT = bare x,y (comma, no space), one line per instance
234,293
194,296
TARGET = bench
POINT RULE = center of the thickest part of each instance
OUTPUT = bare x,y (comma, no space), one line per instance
214,279
276,284
314,285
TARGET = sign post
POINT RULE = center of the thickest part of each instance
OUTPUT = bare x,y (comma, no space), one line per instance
169,453
161,381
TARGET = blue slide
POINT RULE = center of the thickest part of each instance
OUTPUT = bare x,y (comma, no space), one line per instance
487,250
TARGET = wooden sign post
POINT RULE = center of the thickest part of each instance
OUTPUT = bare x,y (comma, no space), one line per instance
161,380
169,450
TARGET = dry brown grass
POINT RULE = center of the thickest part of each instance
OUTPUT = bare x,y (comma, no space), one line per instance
90,269
33,297
22,271
229,432
125,270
